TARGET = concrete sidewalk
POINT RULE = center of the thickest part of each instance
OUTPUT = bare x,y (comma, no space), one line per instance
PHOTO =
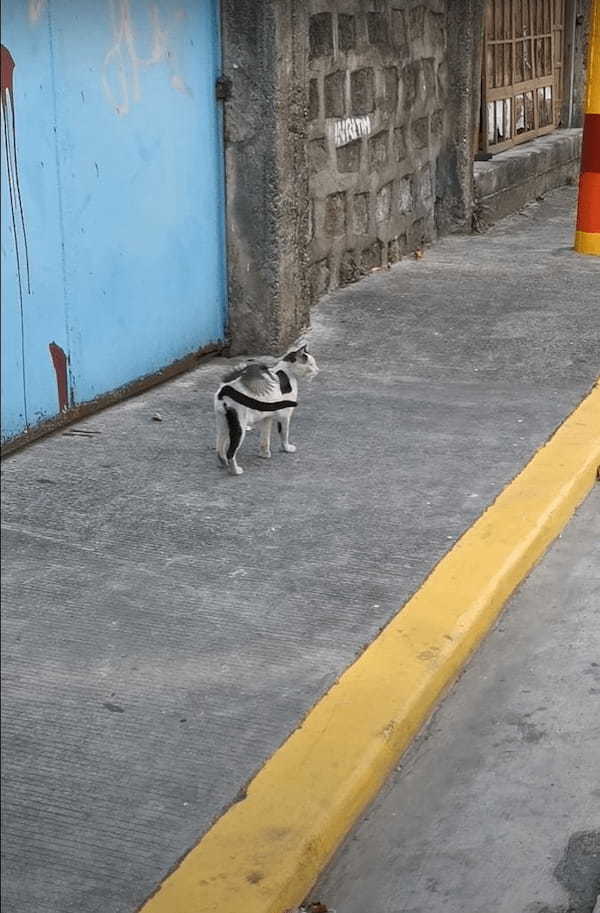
166,626
496,807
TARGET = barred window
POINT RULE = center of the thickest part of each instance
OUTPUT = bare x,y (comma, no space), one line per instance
522,75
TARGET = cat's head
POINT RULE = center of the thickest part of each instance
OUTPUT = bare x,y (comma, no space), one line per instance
301,362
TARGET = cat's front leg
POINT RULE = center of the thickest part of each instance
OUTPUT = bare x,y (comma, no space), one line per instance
265,438
283,426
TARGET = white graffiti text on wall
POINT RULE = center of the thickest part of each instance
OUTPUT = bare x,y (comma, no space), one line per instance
348,128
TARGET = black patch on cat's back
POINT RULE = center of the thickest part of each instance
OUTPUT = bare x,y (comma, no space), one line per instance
258,405
284,382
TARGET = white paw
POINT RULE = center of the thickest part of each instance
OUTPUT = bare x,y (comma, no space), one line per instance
288,448
236,470
265,454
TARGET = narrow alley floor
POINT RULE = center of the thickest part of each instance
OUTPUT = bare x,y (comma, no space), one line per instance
496,807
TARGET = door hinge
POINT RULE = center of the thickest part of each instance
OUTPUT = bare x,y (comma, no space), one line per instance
223,88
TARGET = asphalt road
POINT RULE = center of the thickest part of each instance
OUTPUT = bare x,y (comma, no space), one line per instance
496,808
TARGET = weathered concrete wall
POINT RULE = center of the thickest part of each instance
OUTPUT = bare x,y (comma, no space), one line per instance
377,94
350,137
267,186
358,92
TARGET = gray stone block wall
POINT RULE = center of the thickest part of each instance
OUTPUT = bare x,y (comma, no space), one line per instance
377,89
349,140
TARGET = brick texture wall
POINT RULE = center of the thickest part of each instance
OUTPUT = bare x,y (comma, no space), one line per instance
377,76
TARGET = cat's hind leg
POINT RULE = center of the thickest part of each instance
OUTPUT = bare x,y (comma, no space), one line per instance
222,442
265,438
283,426
237,433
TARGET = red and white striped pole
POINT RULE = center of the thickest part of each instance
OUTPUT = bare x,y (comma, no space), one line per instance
587,235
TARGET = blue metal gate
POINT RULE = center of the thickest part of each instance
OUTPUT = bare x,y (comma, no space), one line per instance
112,197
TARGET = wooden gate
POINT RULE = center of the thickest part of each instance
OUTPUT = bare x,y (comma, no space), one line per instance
523,59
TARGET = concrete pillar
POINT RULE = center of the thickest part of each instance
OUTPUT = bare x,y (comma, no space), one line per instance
266,177
465,39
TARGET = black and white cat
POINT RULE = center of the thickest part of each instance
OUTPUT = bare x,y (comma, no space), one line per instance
255,394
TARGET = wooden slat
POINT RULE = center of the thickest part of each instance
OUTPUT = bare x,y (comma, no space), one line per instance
508,56
500,41
483,116
518,88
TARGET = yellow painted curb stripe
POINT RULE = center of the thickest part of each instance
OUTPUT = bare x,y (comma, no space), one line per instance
587,242
266,852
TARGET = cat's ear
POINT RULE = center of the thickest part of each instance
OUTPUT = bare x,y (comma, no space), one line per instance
297,355
299,351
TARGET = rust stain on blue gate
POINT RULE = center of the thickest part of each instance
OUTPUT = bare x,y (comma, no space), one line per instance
112,197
